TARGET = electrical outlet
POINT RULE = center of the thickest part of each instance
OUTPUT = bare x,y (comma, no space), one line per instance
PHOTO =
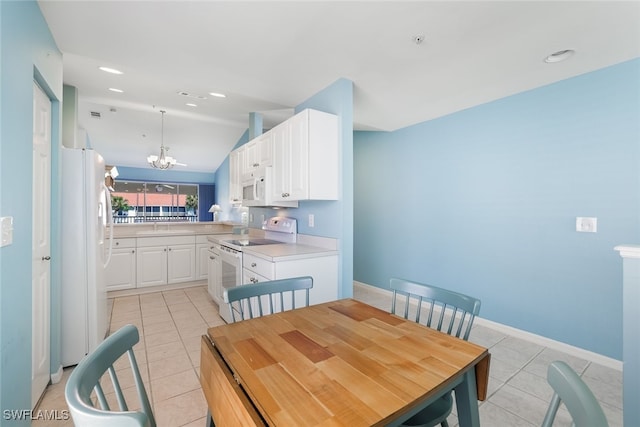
586,224
312,220
7,230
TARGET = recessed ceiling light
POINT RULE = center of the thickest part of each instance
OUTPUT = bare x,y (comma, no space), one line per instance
113,89
110,70
560,55
192,105
218,95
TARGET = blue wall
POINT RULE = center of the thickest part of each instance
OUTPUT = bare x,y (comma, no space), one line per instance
484,201
28,52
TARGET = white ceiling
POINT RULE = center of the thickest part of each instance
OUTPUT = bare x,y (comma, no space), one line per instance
269,56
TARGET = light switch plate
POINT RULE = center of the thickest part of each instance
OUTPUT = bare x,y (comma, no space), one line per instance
586,224
6,230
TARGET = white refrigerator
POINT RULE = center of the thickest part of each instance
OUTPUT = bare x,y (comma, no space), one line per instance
86,211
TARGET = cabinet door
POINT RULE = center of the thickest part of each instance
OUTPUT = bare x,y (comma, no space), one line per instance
211,266
299,157
181,263
265,149
281,162
121,271
251,156
202,261
151,266
235,176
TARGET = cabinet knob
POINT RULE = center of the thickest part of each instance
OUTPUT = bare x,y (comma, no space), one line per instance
133,251
117,243
212,257
46,258
165,249
253,264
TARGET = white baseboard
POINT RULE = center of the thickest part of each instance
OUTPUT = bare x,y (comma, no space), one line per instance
519,333
56,376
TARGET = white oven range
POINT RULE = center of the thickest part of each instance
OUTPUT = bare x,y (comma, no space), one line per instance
278,230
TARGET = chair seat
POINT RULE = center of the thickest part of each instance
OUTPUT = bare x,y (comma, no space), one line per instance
432,415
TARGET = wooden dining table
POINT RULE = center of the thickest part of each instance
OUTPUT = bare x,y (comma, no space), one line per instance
341,363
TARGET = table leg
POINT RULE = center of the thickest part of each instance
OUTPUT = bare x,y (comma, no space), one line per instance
467,400
209,421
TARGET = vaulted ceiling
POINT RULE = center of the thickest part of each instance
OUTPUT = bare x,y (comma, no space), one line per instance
409,62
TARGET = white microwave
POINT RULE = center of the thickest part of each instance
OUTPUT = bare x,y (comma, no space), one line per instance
256,189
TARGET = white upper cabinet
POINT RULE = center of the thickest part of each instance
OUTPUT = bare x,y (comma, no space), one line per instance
303,153
305,157
257,153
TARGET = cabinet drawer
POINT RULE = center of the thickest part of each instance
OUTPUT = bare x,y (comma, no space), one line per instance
258,265
250,277
122,243
166,241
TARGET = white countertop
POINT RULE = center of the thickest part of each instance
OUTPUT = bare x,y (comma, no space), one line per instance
170,229
278,252
288,251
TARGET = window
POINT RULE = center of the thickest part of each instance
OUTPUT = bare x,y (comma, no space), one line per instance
135,202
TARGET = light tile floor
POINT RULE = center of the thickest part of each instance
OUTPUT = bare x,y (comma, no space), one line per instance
171,323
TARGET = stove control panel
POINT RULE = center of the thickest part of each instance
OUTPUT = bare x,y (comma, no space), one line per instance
281,224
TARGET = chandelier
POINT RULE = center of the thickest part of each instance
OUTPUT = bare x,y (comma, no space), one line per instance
164,161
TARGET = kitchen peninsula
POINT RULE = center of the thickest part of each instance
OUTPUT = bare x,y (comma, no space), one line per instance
159,253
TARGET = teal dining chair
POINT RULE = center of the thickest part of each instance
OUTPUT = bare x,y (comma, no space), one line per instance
571,390
441,309
259,299
84,392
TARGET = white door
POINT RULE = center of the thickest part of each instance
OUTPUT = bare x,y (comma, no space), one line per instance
41,248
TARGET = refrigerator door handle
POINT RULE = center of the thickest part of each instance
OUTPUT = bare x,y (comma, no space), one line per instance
109,213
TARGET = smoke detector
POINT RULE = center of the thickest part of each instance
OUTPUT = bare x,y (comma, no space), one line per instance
190,95
418,39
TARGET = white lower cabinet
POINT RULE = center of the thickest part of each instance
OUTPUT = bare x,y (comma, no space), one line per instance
163,260
214,278
181,263
202,257
152,266
120,273
323,270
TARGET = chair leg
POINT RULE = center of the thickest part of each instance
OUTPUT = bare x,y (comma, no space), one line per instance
444,423
209,420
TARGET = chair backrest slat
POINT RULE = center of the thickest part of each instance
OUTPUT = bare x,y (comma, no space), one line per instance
117,389
444,308
254,295
104,405
85,380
